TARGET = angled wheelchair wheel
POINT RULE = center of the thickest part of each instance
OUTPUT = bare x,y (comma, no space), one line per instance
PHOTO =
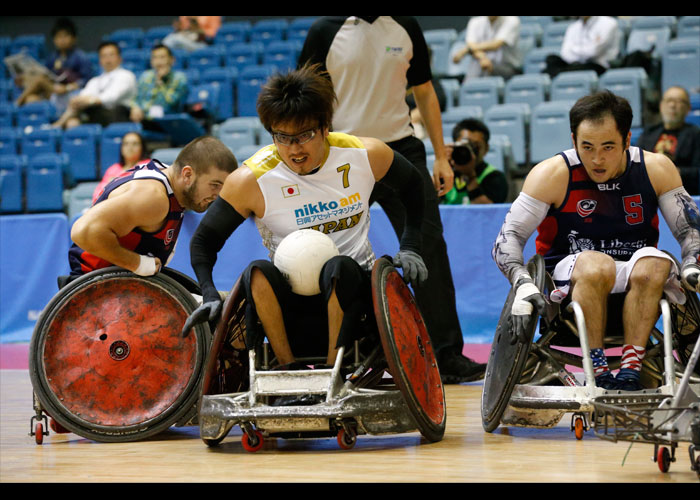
107,360
507,358
408,350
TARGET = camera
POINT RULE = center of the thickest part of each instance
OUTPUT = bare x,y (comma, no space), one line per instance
462,153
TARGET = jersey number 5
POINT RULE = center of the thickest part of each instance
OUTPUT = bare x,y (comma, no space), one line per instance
633,209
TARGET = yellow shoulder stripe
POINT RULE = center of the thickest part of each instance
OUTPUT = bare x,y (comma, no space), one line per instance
264,160
341,140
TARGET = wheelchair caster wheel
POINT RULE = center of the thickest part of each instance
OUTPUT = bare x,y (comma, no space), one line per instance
663,459
252,443
578,428
39,433
346,440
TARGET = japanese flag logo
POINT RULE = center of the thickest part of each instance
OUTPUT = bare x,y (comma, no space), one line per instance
289,191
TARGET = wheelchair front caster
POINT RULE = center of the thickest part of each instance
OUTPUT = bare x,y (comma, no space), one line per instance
252,442
663,459
37,428
346,440
578,425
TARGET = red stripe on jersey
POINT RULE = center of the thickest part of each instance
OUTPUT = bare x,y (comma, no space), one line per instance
546,232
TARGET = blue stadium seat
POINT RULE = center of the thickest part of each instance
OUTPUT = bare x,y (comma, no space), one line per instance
7,114
154,36
127,38
233,32
282,54
166,155
136,60
572,85
244,152
553,33
680,64
654,22
250,82
207,57
485,91
299,27
32,44
10,139
41,140
226,79
532,32
45,182
193,76
11,185
511,120
111,141
630,83
82,145
79,199
644,39
500,153
688,27
451,88
242,55
456,114
538,20
237,132
535,60
531,89
205,97
35,114
549,130
268,30
440,42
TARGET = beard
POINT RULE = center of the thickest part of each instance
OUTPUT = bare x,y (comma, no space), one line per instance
189,199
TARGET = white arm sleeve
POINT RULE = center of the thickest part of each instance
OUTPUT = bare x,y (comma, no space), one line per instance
525,214
683,219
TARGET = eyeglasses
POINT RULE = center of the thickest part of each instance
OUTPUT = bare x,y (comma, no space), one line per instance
288,140
671,100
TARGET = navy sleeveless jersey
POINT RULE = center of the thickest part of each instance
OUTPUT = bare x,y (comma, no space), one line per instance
159,243
617,217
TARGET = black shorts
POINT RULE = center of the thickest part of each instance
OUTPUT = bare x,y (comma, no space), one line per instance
306,317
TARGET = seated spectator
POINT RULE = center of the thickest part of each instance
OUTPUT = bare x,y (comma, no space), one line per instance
160,91
476,182
675,138
69,64
132,152
106,98
492,41
193,32
591,42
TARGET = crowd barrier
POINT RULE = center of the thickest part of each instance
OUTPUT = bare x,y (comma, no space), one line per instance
34,251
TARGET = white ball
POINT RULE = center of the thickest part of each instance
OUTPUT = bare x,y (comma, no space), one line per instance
300,257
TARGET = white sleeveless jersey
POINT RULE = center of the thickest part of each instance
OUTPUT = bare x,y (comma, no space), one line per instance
334,200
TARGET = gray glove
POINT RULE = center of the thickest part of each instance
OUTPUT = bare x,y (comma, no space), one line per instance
527,297
414,270
208,311
690,275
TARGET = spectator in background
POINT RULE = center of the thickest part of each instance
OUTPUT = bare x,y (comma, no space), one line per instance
591,42
675,138
476,182
69,64
492,41
161,90
131,153
192,32
106,98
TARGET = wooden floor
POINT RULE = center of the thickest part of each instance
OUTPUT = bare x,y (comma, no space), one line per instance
466,454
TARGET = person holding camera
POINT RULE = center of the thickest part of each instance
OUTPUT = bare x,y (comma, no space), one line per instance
476,182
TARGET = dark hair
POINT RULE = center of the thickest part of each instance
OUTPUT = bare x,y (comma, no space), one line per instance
205,152
473,125
299,96
64,24
108,43
597,106
161,46
144,150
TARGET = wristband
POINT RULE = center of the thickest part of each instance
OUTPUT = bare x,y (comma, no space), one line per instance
147,266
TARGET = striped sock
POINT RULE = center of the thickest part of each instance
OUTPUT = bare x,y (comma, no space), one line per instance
632,356
600,361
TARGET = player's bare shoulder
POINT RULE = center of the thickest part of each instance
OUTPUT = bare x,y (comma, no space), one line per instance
663,174
548,180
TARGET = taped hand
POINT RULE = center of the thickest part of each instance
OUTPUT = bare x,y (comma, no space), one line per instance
414,270
527,298
690,276
208,311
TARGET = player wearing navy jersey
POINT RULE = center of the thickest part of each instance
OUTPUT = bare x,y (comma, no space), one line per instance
135,222
297,109
595,210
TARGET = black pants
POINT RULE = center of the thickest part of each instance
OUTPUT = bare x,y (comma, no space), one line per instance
556,65
436,296
306,317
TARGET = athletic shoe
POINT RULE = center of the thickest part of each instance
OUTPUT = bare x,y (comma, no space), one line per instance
606,381
628,380
456,368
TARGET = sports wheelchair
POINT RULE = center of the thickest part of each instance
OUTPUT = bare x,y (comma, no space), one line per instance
107,361
527,382
384,385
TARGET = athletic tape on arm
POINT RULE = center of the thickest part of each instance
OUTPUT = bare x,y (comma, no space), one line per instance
525,214
683,219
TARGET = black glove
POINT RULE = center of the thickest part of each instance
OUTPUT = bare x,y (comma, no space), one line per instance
527,297
208,311
414,270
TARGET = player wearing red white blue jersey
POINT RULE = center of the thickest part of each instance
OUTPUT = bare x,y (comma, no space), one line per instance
136,220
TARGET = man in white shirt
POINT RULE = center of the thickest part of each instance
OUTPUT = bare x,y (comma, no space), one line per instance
492,41
591,42
106,97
